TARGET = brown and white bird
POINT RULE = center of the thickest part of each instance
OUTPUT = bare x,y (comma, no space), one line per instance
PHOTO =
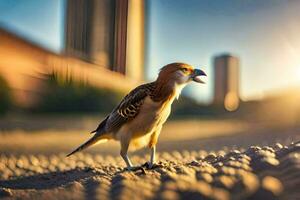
138,119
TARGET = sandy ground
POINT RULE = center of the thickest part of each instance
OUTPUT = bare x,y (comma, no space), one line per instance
206,159
256,173
53,136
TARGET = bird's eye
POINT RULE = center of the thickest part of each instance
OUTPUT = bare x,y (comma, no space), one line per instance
184,70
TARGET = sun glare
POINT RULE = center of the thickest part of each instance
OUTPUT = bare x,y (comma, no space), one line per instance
298,72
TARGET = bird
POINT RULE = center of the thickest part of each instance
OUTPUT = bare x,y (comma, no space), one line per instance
137,121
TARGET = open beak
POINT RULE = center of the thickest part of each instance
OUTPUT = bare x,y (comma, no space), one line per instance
197,74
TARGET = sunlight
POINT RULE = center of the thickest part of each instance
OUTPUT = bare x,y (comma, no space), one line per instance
298,72
231,102
294,61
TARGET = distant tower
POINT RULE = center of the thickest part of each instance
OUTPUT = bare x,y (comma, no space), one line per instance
226,89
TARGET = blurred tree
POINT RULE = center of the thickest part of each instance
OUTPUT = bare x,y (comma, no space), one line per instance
63,94
5,96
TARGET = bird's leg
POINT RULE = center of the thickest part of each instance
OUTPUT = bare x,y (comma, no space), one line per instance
129,165
127,160
151,163
152,157
152,146
124,155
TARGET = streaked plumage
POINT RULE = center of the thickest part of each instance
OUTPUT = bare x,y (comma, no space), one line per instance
138,119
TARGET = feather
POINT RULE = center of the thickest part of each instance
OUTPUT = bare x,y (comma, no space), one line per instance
95,139
128,108
101,126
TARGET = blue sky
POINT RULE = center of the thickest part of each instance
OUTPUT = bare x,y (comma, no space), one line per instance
264,34
40,21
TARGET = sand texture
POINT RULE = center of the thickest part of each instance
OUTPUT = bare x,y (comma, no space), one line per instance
258,172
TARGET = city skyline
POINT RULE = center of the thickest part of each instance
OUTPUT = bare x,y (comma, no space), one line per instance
263,34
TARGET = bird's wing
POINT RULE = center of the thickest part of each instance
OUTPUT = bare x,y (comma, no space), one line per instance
128,108
101,126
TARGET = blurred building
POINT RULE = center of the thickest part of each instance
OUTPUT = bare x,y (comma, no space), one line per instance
104,46
107,33
226,87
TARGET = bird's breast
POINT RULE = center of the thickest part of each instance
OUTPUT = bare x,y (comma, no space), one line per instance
151,115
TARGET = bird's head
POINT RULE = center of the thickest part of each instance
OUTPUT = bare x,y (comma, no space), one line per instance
180,73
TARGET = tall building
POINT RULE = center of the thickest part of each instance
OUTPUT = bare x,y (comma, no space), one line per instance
107,33
226,88
90,31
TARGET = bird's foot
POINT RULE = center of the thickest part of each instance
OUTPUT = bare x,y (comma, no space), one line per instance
134,168
150,165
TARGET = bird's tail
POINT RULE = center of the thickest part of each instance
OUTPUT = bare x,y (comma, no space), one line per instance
93,140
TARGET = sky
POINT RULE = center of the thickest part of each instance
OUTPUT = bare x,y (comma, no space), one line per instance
264,34
40,21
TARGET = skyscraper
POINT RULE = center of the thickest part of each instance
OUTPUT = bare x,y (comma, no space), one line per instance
90,31
226,88
108,33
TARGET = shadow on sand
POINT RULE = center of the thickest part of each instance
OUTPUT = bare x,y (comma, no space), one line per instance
57,179
49,180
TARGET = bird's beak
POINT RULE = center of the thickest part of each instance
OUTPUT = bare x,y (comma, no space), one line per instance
196,75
